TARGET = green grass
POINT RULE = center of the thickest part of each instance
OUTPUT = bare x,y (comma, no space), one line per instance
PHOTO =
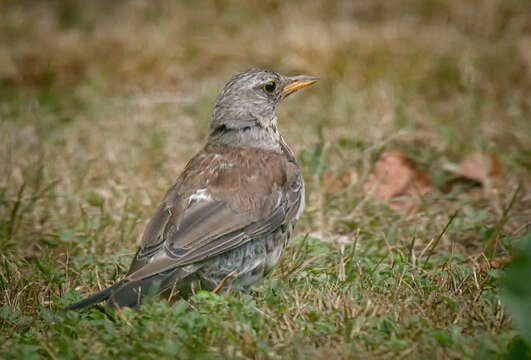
99,116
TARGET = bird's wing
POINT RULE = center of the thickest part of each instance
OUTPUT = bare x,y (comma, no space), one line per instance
224,198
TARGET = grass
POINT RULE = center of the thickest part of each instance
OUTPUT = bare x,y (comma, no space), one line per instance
102,104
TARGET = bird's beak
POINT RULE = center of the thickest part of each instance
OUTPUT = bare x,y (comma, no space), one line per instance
298,82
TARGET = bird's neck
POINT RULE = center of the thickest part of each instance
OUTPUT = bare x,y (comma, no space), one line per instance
252,136
263,135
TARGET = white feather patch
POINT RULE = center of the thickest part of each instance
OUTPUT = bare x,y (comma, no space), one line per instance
201,194
226,165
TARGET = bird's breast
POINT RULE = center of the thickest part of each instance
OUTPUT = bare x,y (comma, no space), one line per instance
251,261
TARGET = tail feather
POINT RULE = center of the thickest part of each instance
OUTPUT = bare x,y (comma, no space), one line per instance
94,299
130,293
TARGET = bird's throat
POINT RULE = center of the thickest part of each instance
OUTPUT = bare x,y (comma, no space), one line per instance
263,135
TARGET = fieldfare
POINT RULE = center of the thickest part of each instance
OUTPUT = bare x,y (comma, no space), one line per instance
227,219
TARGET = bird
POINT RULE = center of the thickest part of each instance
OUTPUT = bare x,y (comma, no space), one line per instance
228,217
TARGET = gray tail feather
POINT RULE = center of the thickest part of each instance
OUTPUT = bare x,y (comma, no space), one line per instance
94,299
130,294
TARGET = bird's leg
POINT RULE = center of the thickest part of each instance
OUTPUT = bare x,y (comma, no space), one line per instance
222,282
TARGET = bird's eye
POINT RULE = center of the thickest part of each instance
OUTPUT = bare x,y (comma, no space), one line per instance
270,86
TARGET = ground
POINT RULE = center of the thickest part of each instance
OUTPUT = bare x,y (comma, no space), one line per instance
102,104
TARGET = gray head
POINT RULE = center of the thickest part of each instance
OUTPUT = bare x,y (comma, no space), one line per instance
247,104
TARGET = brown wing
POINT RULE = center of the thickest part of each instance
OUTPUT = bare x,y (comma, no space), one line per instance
224,198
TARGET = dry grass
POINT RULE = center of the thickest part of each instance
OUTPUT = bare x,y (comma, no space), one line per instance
101,105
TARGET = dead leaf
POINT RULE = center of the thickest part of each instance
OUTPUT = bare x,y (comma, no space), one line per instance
496,263
499,263
390,176
482,167
333,184
395,180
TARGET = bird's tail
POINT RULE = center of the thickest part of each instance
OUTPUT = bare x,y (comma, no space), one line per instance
130,293
94,299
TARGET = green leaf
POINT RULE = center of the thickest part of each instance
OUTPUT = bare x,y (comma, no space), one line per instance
516,292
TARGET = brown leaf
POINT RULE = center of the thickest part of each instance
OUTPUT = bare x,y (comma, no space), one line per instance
482,167
333,184
389,177
499,263
496,263
395,176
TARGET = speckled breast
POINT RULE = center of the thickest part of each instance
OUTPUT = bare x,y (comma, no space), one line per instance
251,261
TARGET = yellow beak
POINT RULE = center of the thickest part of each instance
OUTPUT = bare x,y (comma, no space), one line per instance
298,82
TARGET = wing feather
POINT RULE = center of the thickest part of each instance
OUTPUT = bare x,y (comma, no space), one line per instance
195,228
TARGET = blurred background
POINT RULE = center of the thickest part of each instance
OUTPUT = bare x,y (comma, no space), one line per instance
116,96
103,102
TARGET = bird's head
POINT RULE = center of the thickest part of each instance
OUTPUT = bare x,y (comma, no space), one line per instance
250,99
